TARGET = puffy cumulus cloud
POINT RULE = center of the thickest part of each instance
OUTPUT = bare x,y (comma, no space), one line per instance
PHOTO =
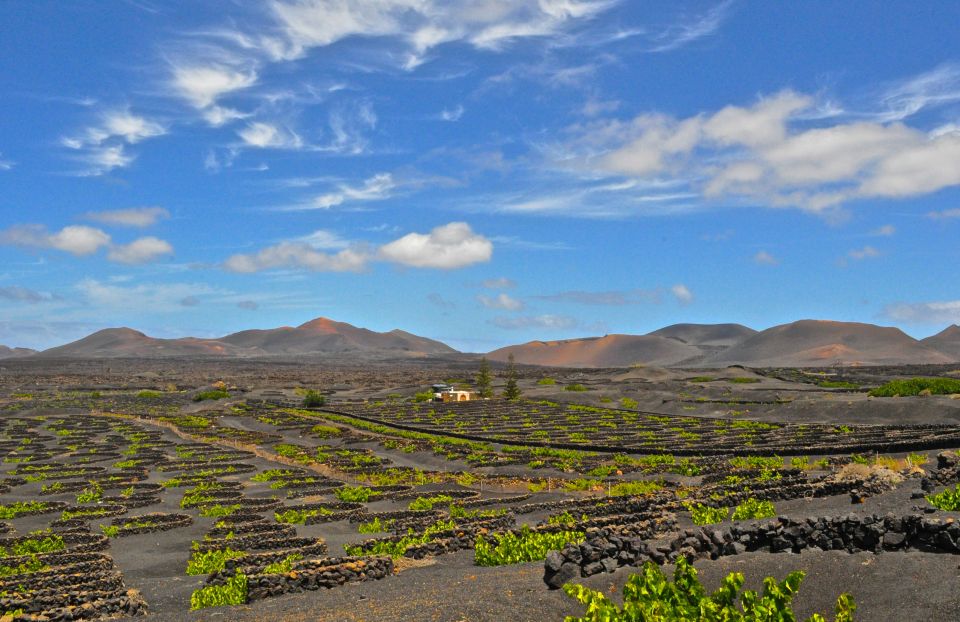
298,255
765,259
682,293
78,240
778,151
449,246
376,188
203,84
500,301
132,217
945,312
546,322
140,251
267,135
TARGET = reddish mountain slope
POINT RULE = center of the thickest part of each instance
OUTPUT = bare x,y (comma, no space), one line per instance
946,341
608,351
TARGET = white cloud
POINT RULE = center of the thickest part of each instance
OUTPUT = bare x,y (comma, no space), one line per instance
422,24
375,188
884,231
248,305
202,85
326,240
765,259
944,214
101,160
446,247
131,217
6,165
867,252
152,297
547,322
264,135
682,293
140,251
499,283
17,293
78,240
120,124
452,114
449,246
771,151
298,255
500,301
685,33
945,312
220,115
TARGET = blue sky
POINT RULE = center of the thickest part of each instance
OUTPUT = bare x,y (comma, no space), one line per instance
483,172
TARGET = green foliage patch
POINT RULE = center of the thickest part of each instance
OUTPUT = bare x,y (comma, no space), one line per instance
526,546
649,596
916,386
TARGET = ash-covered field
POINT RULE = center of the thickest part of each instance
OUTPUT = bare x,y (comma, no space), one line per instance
206,490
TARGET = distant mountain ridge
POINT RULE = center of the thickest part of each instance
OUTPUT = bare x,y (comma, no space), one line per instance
797,344
319,337
7,352
804,343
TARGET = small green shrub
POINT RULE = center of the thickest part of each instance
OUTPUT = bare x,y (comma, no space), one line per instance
376,525
629,403
216,394
702,379
427,503
575,387
547,381
526,546
948,500
423,396
916,386
706,515
283,566
33,546
624,489
650,597
233,592
218,510
313,399
754,508
744,380
299,517
147,394
356,494
206,562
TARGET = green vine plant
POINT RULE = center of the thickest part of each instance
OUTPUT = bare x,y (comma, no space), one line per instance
649,596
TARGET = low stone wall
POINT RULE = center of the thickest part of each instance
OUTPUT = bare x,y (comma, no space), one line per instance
605,551
312,574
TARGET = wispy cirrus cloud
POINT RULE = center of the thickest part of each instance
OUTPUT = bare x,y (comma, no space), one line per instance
139,217
17,293
615,298
685,32
501,301
765,259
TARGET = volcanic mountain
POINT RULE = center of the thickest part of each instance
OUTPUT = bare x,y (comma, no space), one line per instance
319,337
818,342
326,336
714,335
946,341
7,352
607,351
